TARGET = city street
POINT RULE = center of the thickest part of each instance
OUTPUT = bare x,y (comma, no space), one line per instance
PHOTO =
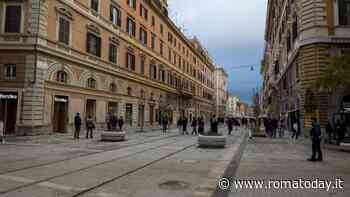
148,164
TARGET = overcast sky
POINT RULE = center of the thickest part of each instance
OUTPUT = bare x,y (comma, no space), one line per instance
233,33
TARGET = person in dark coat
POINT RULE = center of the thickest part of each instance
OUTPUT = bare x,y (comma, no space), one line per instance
165,122
201,125
77,125
194,126
179,124
90,126
214,125
184,126
121,123
315,134
329,131
229,125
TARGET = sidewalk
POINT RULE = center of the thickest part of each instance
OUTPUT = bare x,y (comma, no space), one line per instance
269,159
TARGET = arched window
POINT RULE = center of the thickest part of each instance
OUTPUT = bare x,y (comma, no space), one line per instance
113,87
61,77
129,91
91,83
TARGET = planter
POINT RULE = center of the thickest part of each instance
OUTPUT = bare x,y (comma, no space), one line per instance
113,136
216,141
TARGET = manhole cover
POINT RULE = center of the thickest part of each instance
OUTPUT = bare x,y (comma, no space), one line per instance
174,185
189,161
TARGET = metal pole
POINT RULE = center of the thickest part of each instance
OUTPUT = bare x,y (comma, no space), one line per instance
5,121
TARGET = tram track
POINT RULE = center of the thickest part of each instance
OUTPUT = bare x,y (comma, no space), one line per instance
85,155
90,166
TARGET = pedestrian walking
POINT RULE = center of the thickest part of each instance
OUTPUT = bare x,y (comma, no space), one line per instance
184,126
201,125
165,122
214,125
121,123
229,125
77,125
295,130
280,129
179,124
90,126
194,126
315,134
329,131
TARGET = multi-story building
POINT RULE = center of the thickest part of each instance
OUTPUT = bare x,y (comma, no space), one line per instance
221,92
301,37
60,57
232,106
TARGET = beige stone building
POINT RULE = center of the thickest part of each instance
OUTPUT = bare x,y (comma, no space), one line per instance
301,37
221,92
59,57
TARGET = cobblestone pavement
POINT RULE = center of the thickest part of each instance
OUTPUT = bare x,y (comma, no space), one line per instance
283,159
150,164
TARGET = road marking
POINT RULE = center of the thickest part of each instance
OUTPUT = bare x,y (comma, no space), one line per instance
16,179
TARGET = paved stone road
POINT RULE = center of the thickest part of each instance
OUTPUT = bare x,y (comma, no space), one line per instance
275,159
148,164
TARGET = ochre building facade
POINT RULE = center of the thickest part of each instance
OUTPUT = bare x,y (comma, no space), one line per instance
60,57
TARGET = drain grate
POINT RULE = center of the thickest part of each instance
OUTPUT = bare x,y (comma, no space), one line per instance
174,185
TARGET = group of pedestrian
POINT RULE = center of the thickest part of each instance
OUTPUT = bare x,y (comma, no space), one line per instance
90,126
336,133
113,122
197,125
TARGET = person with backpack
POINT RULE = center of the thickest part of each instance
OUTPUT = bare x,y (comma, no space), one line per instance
315,134
90,126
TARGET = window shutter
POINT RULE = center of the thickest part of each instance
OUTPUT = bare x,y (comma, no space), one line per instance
119,18
88,41
98,46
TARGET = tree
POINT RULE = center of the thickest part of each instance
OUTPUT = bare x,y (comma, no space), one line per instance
336,75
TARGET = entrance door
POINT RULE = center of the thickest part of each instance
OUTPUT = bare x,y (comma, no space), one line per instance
128,114
60,114
141,118
90,108
151,115
8,113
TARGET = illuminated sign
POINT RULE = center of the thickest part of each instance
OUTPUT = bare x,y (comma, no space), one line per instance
8,96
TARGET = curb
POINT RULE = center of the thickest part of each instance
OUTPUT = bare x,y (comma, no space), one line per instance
226,167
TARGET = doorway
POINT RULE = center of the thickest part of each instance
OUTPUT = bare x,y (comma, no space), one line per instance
60,116
8,112
141,118
128,114
90,108
151,115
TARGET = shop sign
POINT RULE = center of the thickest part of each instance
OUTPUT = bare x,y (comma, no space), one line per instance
8,96
62,100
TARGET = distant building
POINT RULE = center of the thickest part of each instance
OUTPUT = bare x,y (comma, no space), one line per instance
233,108
221,92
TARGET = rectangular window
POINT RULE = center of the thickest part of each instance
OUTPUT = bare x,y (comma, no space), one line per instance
344,12
161,48
153,72
143,36
116,16
162,75
170,37
131,27
130,59
142,65
10,71
132,4
113,53
64,30
169,54
93,45
153,21
94,5
144,12
161,29
154,38
13,19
